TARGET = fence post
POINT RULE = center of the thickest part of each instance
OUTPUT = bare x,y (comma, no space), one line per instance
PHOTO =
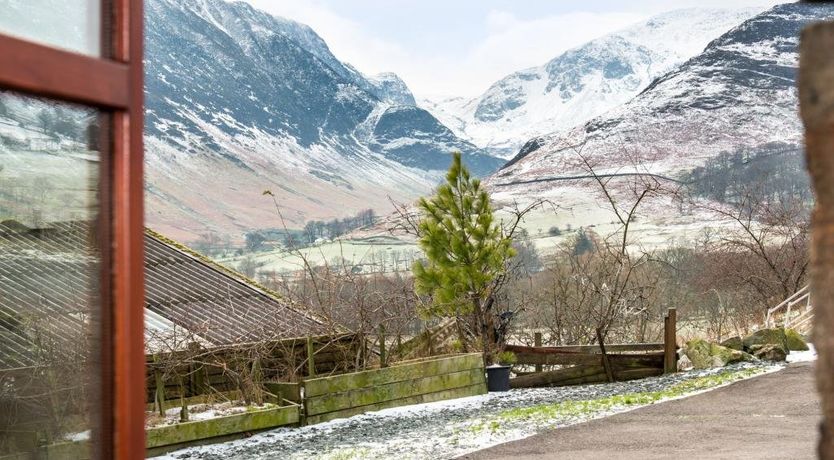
311,361
383,358
537,341
196,382
670,346
159,390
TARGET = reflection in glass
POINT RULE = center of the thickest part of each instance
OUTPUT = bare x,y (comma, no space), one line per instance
49,272
74,25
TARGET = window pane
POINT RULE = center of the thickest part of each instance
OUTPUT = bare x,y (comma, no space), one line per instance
74,25
49,273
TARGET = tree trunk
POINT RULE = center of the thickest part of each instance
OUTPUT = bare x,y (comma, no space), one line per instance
816,98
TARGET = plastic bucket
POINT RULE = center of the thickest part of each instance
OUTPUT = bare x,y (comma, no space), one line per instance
498,378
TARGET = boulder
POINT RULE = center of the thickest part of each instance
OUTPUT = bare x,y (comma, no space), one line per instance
795,341
684,364
734,342
704,355
775,336
769,352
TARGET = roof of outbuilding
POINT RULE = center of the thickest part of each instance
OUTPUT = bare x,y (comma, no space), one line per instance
49,279
219,304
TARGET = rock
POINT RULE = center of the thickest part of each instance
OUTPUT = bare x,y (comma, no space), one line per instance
684,364
734,342
769,352
775,336
704,355
795,341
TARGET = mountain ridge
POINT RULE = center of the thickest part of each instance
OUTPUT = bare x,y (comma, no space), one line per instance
247,101
583,82
739,94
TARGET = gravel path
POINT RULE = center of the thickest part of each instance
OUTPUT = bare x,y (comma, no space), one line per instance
444,429
772,416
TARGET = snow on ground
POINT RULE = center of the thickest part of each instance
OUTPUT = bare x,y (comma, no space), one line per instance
197,412
448,429
803,356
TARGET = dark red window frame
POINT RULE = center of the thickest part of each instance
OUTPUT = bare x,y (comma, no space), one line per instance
113,83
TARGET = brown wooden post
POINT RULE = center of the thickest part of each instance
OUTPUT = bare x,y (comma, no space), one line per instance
537,341
383,358
311,360
430,345
195,371
816,105
670,346
605,363
159,390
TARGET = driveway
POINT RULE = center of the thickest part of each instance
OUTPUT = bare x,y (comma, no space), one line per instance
771,416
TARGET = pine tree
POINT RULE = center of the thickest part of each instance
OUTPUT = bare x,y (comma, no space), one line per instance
466,250
582,243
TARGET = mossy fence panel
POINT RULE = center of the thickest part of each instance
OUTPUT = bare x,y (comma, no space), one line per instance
404,383
198,371
166,438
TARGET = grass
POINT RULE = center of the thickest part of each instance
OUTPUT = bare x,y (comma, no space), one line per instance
572,409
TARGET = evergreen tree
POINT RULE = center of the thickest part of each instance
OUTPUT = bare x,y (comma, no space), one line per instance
582,243
466,250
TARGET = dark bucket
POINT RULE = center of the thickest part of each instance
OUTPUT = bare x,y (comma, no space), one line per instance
498,378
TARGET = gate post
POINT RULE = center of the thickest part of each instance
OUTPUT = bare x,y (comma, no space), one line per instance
670,346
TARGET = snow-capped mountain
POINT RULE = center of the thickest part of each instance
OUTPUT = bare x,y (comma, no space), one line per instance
738,94
388,87
583,82
239,101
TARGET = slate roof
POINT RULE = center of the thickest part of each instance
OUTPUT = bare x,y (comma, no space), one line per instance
48,278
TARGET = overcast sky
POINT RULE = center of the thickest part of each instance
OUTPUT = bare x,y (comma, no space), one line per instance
460,47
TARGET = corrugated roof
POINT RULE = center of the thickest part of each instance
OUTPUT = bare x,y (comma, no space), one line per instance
219,305
48,281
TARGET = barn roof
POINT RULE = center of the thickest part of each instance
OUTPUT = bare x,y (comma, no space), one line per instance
48,280
219,304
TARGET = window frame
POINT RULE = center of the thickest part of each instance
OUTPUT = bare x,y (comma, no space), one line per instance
114,84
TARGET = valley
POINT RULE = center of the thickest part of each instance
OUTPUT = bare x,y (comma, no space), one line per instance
735,95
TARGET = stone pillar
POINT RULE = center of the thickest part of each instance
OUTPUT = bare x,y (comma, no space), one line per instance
816,101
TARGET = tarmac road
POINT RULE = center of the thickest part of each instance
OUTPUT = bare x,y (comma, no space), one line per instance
770,416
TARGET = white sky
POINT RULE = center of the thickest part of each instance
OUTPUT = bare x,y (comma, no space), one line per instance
460,47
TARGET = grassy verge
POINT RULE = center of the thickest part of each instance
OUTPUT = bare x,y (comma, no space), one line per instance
555,412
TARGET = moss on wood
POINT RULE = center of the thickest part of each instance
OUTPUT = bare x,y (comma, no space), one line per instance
221,426
391,391
395,373
472,390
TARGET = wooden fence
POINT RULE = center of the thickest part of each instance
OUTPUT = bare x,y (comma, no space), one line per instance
597,363
404,383
197,372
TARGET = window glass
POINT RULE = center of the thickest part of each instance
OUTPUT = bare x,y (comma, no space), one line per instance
49,274
74,25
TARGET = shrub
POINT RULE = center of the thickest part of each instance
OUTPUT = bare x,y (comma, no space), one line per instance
507,358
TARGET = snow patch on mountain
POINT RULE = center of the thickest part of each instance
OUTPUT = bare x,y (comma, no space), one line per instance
391,89
738,94
583,82
239,101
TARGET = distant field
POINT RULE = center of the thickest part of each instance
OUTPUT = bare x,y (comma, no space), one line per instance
370,254
658,225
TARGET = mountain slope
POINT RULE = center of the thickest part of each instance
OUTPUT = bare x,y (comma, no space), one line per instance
738,95
583,82
239,101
